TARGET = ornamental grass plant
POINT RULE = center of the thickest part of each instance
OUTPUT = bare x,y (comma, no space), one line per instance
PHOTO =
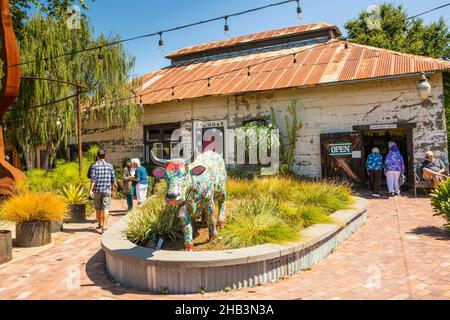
34,207
259,210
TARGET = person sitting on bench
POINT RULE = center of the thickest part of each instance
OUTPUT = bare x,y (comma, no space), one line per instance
433,169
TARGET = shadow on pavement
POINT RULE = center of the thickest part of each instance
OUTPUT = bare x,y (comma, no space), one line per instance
432,231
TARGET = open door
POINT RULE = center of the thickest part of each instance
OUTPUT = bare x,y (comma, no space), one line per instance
343,157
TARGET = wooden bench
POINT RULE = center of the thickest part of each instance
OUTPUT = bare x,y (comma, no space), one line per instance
418,183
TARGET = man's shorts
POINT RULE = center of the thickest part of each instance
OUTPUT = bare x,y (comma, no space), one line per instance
102,200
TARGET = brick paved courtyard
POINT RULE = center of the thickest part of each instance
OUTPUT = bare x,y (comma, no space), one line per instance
400,253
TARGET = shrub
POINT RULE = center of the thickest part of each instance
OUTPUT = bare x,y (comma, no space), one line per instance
154,219
440,200
259,210
256,222
75,194
34,206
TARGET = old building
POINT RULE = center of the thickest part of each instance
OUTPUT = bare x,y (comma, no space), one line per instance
348,94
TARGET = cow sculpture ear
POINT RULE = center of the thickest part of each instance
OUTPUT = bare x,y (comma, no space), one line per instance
159,173
198,170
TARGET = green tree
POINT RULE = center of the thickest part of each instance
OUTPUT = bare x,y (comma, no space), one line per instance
391,30
109,79
20,9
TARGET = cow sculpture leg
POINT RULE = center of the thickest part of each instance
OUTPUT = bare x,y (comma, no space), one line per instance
187,228
222,208
212,223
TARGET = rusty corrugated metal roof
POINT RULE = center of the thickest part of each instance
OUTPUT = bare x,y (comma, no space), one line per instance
319,63
254,38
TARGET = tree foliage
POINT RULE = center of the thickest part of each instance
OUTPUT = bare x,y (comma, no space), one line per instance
54,8
52,125
391,30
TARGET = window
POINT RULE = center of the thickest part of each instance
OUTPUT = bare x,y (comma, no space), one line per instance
160,139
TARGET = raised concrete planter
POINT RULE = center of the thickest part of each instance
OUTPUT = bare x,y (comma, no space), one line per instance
186,272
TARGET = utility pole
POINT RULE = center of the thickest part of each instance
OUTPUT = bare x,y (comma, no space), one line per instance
80,146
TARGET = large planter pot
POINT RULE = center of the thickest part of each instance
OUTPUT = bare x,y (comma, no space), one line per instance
5,246
33,234
56,226
77,213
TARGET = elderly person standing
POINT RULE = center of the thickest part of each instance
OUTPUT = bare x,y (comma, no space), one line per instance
141,178
394,167
128,184
374,166
433,169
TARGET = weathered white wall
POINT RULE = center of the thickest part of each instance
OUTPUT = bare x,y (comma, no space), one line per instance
323,109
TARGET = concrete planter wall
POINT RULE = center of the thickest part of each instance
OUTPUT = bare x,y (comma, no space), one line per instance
185,272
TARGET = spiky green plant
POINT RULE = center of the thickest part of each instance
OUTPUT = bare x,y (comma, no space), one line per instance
75,194
440,200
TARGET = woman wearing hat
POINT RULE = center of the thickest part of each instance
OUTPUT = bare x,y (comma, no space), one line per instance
374,166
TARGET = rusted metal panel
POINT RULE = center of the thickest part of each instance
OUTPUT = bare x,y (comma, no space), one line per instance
315,64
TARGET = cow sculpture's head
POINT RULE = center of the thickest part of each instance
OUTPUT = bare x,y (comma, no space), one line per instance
178,178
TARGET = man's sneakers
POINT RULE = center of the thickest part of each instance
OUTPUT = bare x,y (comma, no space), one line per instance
375,195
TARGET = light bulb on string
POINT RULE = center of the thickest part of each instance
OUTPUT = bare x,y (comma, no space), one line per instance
100,56
209,84
141,104
58,124
299,11
173,91
226,28
295,59
248,72
161,43
46,68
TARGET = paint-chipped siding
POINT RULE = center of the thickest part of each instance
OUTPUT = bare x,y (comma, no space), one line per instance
323,109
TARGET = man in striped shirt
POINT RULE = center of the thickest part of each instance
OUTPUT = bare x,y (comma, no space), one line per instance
102,182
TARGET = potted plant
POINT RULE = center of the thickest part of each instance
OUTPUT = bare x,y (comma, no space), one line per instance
76,196
5,246
32,212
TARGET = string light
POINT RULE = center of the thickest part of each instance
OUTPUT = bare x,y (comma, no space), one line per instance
248,72
100,56
161,43
209,84
173,91
155,33
295,58
346,44
140,101
226,28
46,68
299,11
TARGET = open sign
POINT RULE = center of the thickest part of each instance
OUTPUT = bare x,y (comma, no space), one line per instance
340,149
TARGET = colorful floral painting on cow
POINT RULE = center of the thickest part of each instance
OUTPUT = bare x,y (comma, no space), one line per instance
195,188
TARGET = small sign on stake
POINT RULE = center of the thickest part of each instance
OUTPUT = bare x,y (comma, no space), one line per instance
160,244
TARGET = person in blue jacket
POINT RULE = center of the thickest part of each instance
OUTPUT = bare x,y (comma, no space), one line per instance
141,178
374,166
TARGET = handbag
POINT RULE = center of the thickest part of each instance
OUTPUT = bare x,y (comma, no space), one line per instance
402,179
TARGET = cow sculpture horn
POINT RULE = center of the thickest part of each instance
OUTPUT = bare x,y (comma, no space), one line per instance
163,162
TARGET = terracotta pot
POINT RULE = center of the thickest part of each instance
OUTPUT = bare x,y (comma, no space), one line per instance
77,213
5,246
33,234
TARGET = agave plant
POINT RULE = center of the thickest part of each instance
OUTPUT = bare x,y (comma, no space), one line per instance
440,199
75,194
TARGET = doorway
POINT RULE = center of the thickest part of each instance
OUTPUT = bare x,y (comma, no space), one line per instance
380,135
381,138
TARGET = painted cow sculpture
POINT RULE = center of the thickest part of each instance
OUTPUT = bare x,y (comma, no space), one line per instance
195,188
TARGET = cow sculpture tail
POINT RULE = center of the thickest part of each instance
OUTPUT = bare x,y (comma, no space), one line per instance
9,175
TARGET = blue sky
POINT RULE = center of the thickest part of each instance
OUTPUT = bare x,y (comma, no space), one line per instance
135,17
